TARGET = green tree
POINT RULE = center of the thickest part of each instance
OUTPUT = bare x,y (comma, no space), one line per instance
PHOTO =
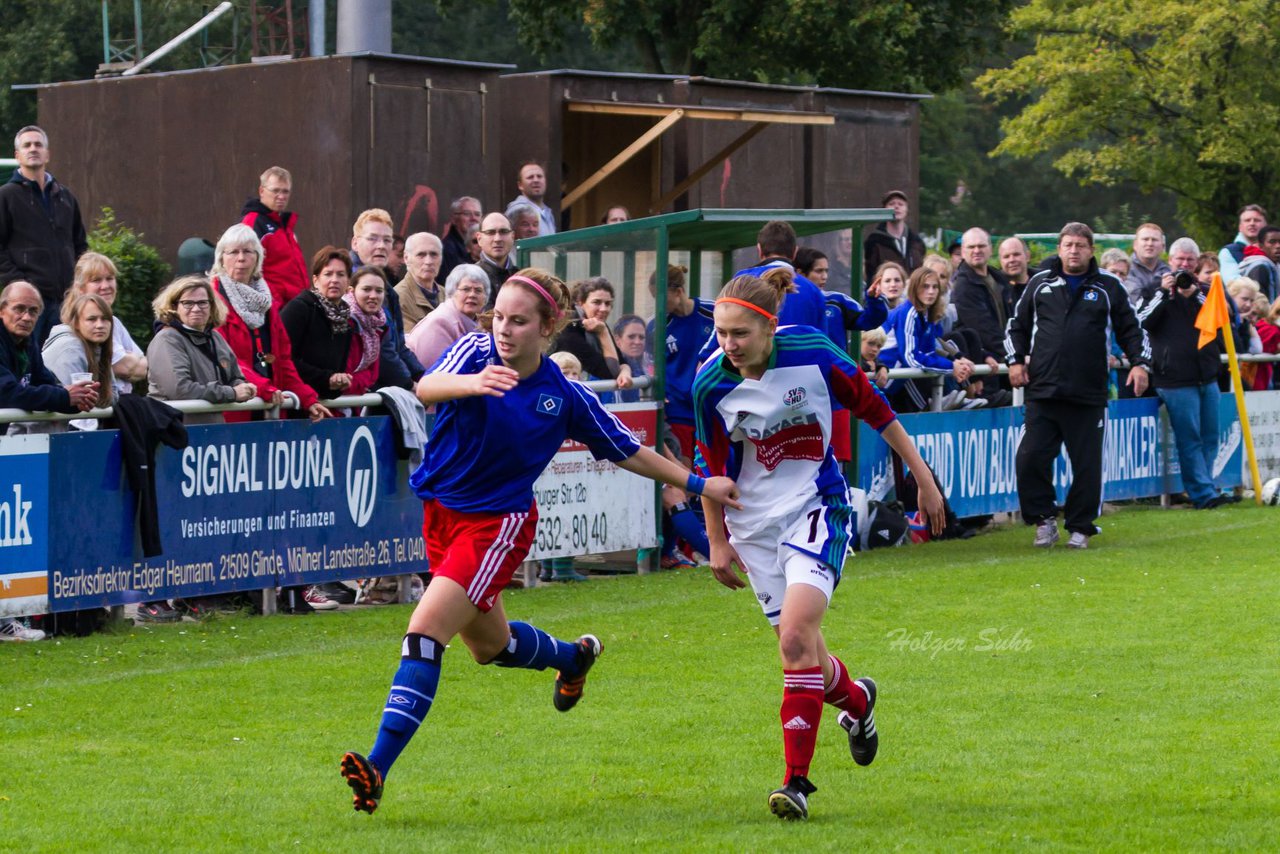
925,44
1168,94
141,272
1005,194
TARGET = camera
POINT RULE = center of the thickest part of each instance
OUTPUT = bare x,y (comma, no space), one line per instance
1182,279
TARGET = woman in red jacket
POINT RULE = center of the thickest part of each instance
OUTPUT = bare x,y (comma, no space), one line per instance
253,327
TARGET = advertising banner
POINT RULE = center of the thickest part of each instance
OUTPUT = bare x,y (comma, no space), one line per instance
245,506
974,455
588,506
24,524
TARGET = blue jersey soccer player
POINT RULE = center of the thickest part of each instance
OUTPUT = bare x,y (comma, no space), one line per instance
764,403
479,513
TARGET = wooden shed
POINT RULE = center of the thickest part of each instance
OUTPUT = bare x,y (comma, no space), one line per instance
177,154
663,143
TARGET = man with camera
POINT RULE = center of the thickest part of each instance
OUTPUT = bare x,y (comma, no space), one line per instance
1185,376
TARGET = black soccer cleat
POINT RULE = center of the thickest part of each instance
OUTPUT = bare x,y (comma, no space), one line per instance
791,802
863,739
569,691
365,781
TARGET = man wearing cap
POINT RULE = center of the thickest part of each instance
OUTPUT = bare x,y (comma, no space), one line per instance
893,240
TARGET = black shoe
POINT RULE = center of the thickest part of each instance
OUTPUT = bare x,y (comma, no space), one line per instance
293,600
863,739
1215,502
159,611
365,781
338,592
569,691
791,802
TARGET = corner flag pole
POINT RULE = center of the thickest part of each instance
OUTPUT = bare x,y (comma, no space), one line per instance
1216,292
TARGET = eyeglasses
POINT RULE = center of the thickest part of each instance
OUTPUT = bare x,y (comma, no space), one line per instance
490,232
278,192
475,290
386,241
194,304
27,310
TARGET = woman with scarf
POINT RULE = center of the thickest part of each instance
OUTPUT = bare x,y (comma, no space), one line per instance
321,331
253,327
365,300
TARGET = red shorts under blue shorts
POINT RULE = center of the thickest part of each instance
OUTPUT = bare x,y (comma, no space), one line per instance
480,551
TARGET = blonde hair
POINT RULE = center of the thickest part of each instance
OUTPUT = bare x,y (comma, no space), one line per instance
1243,285
566,361
1261,306
165,305
874,336
372,215
765,291
91,265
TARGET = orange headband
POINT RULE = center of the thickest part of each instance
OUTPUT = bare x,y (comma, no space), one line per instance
746,304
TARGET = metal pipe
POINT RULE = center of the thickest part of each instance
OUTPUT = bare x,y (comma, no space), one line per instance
315,20
364,26
221,9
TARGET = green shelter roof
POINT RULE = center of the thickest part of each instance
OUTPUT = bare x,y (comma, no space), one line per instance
701,229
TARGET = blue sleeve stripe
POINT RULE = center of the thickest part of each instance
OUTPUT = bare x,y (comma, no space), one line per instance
610,427
460,354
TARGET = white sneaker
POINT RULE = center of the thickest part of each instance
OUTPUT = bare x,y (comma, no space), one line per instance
1047,533
974,403
12,630
1078,541
317,600
952,400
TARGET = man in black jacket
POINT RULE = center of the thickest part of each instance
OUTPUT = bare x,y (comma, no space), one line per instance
41,233
1057,347
893,240
981,293
25,383
1185,376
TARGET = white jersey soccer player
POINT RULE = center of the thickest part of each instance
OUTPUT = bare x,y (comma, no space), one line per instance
764,403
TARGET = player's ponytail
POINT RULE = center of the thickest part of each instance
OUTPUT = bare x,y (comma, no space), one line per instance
764,293
555,305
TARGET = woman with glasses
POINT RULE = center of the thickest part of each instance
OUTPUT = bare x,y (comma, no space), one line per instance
253,328
189,360
466,291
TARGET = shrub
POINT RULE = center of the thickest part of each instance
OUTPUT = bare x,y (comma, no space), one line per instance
142,272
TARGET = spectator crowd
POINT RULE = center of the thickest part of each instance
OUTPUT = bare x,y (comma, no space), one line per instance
296,330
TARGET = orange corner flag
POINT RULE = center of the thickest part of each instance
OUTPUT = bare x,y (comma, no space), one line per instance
1214,314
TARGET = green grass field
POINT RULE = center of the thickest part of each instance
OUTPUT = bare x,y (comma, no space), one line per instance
1120,698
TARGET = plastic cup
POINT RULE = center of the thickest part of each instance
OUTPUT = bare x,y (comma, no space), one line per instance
81,377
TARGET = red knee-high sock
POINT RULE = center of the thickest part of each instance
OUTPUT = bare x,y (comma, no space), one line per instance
842,693
801,714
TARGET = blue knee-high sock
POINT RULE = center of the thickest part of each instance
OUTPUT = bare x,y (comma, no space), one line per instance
690,528
412,691
532,648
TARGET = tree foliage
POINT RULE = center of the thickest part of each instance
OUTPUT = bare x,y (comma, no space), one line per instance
921,45
1008,195
141,272
1170,94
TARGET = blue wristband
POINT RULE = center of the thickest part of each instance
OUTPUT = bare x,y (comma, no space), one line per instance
695,484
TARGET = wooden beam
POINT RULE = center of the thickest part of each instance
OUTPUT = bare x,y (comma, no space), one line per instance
723,114
698,174
672,115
